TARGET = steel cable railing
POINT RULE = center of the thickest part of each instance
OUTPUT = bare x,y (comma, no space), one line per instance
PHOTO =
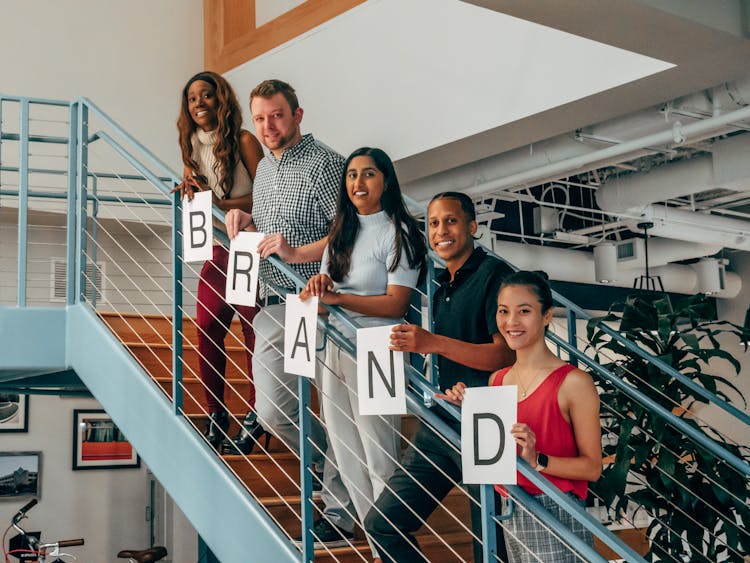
125,200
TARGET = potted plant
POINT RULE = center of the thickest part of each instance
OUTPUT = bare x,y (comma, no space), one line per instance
698,505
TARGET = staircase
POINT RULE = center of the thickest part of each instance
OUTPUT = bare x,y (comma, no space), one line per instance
128,221
271,476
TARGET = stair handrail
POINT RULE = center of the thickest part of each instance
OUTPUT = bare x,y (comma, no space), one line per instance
418,406
579,312
413,373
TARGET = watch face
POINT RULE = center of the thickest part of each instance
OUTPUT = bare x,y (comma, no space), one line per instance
542,459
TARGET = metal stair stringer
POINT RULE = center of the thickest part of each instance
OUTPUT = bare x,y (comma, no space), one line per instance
218,506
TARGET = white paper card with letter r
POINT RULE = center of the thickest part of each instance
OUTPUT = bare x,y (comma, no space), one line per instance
300,332
242,269
381,387
488,451
197,228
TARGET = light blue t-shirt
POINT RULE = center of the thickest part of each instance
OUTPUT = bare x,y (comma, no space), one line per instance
372,255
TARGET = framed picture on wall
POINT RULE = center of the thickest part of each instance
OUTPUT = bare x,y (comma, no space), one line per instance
20,474
99,444
14,412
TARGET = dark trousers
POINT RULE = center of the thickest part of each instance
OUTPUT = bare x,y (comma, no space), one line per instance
214,315
404,505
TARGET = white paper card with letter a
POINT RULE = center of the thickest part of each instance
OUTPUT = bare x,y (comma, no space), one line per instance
242,269
197,228
488,451
381,386
300,332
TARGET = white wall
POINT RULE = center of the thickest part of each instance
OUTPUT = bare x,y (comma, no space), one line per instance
130,58
411,76
105,507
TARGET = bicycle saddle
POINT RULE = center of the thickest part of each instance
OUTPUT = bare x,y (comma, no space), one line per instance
144,556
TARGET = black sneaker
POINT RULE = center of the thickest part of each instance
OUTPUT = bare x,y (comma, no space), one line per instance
327,535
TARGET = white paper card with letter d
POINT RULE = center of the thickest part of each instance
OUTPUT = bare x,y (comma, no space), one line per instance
488,451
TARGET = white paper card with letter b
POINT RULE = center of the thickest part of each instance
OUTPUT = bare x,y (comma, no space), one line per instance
242,269
197,228
300,333
381,387
488,451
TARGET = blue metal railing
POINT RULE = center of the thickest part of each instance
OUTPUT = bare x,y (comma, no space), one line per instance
422,388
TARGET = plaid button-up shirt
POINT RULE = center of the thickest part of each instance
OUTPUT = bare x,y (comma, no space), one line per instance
296,196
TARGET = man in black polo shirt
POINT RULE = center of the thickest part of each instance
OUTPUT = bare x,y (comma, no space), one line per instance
469,348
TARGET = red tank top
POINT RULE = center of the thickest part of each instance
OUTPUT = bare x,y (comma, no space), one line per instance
554,434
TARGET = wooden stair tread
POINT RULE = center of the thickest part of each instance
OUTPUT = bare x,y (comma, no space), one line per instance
271,476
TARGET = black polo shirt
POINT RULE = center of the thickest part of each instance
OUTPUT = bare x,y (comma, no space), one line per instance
465,309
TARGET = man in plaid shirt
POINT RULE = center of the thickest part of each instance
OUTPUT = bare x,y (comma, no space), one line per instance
294,202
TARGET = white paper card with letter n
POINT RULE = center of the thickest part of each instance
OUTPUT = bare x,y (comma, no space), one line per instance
488,451
381,387
300,333
197,228
242,269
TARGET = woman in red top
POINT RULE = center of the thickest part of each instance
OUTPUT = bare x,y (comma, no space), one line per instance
558,430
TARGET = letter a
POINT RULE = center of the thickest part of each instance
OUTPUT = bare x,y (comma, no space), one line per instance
302,328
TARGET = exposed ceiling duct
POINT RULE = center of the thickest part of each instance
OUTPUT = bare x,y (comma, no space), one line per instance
578,266
728,167
673,223
706,114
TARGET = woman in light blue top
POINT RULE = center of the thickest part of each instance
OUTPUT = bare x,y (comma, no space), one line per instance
374,258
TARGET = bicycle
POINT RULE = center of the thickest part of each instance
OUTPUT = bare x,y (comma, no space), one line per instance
150,555
36,550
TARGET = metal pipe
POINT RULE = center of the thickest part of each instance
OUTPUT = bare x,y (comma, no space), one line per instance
23,202
150,176
101,198
109,175
530,178
72,195
41,101
36,138
177,337
81,199
132,140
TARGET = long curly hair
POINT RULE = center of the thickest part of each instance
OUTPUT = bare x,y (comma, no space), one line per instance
229,116
345,225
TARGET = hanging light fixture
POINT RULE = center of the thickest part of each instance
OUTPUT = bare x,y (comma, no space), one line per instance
647,282
605,262
710,273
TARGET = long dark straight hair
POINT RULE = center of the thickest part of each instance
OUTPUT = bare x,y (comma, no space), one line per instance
345,226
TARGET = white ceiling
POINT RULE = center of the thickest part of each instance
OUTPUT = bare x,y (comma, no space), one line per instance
410,76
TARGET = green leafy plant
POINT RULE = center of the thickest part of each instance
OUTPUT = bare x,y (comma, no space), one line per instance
698,504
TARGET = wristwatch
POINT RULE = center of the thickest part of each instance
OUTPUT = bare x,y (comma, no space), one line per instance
542,461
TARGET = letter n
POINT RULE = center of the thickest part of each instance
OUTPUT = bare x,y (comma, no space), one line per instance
390,384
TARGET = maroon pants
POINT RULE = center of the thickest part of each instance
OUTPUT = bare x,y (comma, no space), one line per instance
214,317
